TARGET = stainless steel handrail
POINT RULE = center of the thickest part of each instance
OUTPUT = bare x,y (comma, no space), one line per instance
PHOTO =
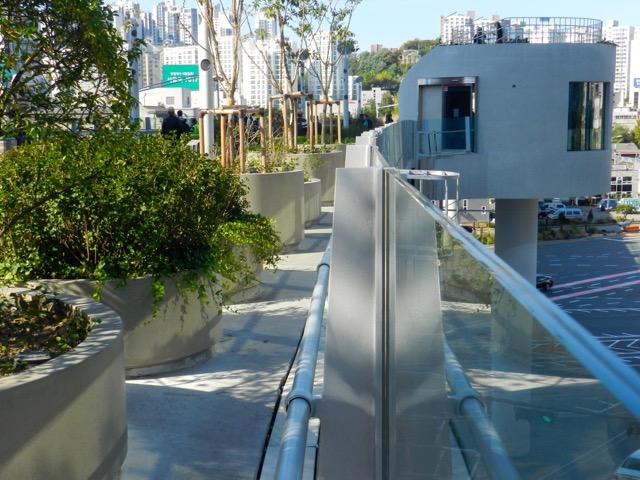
470,407
299,403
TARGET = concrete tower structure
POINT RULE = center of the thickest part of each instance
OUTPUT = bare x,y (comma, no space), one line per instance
519,122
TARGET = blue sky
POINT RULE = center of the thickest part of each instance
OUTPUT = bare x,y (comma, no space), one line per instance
391,22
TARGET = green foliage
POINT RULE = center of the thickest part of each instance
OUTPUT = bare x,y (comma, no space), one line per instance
621,134
636,134
62,63
384,68
625,210
116,206
37,323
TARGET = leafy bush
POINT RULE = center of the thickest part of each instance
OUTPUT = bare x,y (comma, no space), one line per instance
121,206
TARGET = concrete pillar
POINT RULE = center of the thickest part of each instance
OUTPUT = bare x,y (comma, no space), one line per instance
517,235
206,84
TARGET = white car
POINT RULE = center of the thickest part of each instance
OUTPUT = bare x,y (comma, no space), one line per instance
569,214
630,468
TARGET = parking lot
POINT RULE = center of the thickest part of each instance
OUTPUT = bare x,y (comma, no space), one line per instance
597,281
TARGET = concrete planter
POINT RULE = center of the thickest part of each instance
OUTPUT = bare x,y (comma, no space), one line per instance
279,196
244,292
182,332
312,200
66,419
322,166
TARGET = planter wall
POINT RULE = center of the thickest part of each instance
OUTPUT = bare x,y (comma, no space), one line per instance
243,293
279,196
181,334
322,166
312,200
66,419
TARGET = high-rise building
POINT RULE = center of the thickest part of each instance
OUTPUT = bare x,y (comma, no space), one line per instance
260,63
456,24
622,36
634,72
322,52
266,25
150,66
180,55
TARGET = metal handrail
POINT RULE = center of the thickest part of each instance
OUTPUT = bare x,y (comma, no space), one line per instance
469,406
299,403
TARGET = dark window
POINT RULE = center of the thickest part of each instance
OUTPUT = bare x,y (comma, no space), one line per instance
627,188
586,116
626,179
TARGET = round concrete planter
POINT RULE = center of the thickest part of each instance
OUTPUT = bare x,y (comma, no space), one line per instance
322,166
66,419
235,292
312,200
180,334
279,196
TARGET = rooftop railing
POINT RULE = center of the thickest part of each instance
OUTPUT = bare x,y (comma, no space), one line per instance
529,30
529,392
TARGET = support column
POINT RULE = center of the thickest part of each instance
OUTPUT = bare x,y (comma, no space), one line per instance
207,133
517,235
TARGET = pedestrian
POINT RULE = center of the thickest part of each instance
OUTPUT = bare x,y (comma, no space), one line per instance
366,123
172,125
388,118
499,33
185,125
479,37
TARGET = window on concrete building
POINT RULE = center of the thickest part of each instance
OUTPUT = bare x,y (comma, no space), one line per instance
586,116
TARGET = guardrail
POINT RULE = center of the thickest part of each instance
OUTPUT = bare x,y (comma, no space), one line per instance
529,30
299,402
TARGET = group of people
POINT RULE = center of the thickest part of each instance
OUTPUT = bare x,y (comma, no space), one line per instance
367,124
480,37
175,124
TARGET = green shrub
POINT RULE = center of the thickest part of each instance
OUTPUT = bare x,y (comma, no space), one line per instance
122,206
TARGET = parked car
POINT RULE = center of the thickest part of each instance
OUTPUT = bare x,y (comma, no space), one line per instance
544,282
607,204
551,206
569,214
630,468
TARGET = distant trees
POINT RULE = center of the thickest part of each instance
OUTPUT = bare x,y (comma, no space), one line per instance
621,134
384,69
62,65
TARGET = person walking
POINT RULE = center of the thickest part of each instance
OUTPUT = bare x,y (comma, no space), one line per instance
388,118
185,126
479,37
499,33
172,125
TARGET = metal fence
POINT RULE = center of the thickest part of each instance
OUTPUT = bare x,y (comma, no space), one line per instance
529,30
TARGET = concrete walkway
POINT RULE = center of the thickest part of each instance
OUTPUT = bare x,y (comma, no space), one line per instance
211,421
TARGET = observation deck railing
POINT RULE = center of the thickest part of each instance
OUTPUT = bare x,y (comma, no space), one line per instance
529,30
531,393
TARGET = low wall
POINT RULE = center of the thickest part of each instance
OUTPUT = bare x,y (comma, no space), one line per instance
180,334
279,196
322,166
312,200
66,419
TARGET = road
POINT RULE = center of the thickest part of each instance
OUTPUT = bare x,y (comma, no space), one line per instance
597,281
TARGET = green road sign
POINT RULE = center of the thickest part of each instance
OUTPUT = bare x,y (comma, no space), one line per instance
180,76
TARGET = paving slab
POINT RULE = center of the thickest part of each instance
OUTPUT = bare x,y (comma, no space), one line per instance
211,421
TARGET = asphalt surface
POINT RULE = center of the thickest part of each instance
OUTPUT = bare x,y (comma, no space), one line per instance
597,281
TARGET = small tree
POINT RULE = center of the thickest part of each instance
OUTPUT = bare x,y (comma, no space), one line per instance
327,39
625,210
621,134
636,134
62,66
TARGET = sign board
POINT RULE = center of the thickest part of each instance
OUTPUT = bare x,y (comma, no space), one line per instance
636,83
180,76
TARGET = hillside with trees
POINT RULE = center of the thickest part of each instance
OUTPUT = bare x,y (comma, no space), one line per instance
384,69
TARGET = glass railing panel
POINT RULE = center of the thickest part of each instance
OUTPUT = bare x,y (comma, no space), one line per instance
418,410
446,135
553,416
